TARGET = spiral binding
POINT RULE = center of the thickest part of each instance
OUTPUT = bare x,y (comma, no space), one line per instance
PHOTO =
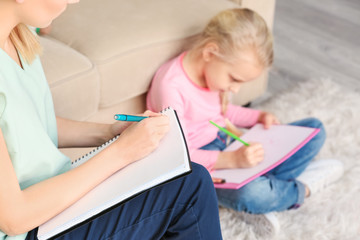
165,109
96,150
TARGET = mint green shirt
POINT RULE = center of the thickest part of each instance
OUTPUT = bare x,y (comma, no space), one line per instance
28,123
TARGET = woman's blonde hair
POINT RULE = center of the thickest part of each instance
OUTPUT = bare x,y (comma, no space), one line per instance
237,30
26,42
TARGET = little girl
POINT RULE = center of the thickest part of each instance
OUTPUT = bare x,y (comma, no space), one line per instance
36,179
236,47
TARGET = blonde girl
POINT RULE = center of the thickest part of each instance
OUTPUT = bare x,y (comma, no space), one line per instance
235,47
36,182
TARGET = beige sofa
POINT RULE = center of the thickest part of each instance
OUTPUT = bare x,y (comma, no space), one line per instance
100,56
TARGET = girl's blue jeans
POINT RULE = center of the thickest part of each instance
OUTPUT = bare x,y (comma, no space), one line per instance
185,208
278,189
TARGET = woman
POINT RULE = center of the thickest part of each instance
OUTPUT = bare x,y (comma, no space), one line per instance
36,182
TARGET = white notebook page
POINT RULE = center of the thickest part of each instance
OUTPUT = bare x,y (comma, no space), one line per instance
279,142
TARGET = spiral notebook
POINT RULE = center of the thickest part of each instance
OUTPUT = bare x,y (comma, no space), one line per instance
279,142
169,161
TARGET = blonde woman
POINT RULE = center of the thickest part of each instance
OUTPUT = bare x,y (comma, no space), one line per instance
36,182
236,47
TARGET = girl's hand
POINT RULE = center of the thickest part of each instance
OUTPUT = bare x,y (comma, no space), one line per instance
244,157
268,119
141,138
248,156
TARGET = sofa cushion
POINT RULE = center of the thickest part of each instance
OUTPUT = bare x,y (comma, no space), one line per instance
129,40
73,80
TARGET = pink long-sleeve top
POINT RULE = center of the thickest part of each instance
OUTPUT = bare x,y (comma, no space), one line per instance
195,107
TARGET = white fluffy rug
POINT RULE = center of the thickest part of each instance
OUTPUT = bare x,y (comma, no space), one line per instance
335,212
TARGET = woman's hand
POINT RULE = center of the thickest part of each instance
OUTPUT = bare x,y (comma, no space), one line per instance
118,127
268,119
141,138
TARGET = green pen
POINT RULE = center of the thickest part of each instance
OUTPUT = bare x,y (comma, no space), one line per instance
230,133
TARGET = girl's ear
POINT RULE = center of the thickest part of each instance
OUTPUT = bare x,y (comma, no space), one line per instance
209,51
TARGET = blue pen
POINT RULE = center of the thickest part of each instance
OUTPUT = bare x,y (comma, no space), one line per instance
128,118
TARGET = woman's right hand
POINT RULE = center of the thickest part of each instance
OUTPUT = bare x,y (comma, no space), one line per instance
141,138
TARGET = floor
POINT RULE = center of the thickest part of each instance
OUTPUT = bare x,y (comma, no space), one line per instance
316,39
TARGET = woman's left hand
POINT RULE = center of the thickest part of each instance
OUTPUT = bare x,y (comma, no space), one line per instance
268,119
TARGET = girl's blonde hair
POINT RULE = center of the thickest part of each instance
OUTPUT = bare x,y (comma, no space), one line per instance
26,42
237,30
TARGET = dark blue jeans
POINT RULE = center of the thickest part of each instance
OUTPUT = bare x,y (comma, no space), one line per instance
185,208
278,189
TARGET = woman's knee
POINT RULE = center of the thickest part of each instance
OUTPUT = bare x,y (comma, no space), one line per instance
199,183
200,173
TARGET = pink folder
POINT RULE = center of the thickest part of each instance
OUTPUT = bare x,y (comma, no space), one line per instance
279,142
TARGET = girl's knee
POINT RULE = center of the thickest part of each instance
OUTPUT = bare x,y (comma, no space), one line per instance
316,123
309,122
313,123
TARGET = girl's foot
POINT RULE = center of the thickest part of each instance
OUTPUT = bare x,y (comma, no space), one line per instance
321,173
